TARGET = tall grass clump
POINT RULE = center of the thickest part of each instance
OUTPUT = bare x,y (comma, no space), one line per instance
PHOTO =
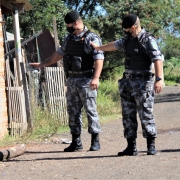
108,101
45,123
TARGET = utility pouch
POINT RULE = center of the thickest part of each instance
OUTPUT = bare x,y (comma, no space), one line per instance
67,61
76,63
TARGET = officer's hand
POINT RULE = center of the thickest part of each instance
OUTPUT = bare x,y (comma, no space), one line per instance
158,86
95,46
37,65
94,83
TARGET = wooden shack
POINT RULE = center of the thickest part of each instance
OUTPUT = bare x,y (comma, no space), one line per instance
6,6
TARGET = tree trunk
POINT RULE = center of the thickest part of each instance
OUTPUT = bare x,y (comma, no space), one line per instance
12,152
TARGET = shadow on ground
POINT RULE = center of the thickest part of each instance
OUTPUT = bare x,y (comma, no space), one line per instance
167,98
86,157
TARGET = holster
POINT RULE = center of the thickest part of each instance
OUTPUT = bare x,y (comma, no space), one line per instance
67,61
76,63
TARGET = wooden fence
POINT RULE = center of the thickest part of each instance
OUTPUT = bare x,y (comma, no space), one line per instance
21,114
56,93
16,102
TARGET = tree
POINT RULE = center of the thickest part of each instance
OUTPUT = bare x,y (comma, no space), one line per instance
171,47
155,16
40,17
105,17
85,7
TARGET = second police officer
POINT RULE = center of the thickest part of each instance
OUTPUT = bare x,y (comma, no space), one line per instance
137,86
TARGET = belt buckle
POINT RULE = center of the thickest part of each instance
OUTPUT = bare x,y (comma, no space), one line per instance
75,72
128,76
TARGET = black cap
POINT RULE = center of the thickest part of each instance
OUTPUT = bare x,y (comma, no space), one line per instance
71,17
129,21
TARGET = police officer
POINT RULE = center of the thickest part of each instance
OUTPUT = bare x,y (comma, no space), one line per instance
83,65
137,86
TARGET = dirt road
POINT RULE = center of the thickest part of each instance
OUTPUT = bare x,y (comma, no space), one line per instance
47,161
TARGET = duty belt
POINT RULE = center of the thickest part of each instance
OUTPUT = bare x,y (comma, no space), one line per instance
139,75
79,72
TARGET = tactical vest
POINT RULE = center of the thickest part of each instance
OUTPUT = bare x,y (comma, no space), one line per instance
76,58
136,56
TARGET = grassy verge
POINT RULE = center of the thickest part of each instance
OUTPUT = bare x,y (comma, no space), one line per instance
171,80
172,75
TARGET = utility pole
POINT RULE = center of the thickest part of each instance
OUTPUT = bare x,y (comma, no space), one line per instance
17,39
56,40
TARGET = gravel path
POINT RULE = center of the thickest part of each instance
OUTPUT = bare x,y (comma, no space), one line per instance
47,160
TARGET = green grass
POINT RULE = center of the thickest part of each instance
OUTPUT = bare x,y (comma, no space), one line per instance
108,101
172,78
44,124
10,141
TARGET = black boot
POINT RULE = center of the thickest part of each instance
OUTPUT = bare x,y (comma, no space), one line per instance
95,145
131,149
76,144
151,146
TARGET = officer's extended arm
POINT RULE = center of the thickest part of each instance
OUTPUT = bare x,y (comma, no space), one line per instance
98,65
51,60
107,47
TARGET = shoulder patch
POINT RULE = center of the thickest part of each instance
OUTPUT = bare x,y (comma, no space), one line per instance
96,41
154,45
